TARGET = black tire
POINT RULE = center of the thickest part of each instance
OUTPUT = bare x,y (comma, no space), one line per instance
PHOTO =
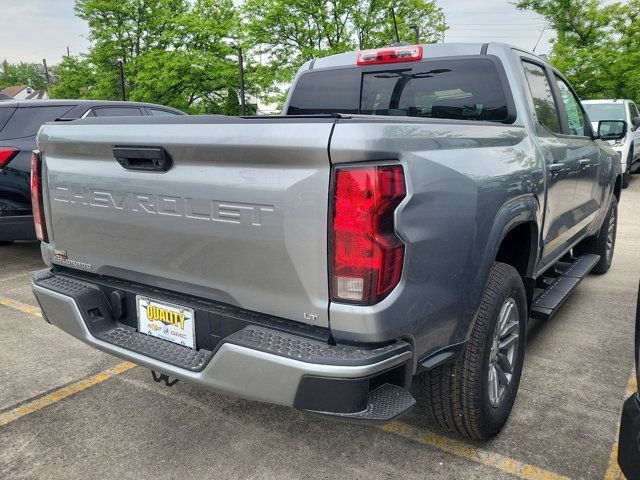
599,244
456,396
625,179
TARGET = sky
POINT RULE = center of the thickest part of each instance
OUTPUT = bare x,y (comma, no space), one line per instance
36,29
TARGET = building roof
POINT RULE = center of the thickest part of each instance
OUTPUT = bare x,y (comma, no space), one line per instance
13,91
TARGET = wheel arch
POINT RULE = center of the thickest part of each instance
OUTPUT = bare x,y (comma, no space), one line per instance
617,187
516,220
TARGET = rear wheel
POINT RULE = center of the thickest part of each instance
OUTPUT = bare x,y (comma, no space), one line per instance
474,394
604,242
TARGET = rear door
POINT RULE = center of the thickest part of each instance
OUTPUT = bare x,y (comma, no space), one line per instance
240,217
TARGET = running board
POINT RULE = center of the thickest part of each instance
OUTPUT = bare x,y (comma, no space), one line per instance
547,303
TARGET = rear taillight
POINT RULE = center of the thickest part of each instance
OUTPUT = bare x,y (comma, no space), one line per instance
409,53
366,254
36,196
7,154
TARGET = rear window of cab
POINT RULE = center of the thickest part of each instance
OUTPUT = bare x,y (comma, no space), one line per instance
458,89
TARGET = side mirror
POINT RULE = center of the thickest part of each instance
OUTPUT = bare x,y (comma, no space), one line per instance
635,121
612,129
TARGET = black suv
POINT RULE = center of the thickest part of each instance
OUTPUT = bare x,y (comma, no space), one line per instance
629,445
19,124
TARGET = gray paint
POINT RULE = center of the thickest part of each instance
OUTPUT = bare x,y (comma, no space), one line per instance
468,184
275,265
234,369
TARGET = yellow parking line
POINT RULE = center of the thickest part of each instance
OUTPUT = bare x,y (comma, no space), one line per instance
613,469
40,403
22,307
463,450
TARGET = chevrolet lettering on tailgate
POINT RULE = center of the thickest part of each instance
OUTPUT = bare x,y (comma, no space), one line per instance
214,210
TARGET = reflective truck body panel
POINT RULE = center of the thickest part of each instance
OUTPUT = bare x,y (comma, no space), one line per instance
240,218
243,216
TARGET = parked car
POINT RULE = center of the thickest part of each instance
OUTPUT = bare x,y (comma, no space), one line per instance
19,124
629,444
392,234
629,146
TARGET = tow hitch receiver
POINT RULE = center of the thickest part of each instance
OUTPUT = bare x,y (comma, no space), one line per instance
163,377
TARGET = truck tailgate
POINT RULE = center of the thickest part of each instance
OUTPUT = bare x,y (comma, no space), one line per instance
241,217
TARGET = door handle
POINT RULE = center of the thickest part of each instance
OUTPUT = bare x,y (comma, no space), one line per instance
584,163
555,168
149,159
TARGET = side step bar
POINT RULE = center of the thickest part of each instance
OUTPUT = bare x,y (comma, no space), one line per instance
383,405
554,294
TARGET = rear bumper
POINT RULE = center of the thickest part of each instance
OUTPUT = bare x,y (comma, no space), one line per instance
17,227
256,362
629,444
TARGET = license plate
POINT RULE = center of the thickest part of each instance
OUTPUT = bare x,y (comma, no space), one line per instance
167,321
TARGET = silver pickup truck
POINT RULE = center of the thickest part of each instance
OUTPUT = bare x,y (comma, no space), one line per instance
383,243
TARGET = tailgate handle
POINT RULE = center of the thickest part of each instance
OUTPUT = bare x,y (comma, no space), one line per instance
145,159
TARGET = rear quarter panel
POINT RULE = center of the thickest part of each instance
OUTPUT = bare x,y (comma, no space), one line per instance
467,185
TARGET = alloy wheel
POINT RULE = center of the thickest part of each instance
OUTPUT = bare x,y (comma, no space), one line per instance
503,351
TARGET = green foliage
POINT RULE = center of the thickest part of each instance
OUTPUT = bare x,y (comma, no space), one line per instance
291,32
21,74
597,46
172,52
77,79
179,53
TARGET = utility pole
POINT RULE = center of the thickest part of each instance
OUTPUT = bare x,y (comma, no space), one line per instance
416,29
444,26
243,108
6,71
121,75
46,72
68,53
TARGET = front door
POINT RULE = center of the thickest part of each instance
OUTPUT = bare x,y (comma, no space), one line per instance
561,166
584,154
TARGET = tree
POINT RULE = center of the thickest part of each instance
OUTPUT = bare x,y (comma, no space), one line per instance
21,74
288,33
174,52
76,79
597,45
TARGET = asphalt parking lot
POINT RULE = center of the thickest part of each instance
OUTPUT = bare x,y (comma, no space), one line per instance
69,411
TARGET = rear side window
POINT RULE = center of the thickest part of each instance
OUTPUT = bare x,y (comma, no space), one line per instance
156,112
117,112
543,102
26,121
633,111
5,115
458,89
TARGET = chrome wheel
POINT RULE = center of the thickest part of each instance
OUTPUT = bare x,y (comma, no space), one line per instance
503,351
611,233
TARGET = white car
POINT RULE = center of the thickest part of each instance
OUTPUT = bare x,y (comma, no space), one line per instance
629,146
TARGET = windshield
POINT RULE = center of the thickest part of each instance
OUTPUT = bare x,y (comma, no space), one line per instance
458,89
605,111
